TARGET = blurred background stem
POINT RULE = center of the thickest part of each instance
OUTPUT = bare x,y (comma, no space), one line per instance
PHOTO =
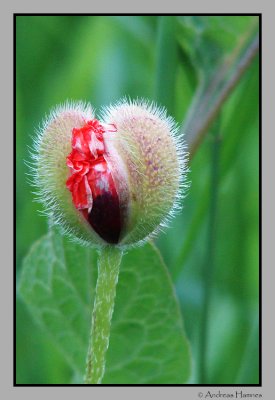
248,370
206,104
167,62
209,99
208,266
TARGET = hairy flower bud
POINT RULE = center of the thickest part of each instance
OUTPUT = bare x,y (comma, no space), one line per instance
115,180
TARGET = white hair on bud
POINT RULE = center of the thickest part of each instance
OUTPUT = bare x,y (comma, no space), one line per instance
41,177
52,144
123,110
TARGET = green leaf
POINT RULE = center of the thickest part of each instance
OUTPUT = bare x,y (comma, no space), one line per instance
147,343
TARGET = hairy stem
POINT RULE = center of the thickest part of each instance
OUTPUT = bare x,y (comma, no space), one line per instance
108,271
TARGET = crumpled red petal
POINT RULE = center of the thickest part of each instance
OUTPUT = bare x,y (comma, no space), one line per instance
91,182
87,147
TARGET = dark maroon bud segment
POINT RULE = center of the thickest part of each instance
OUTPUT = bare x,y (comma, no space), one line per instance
105,217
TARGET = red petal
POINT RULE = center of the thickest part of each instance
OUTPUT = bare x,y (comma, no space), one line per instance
81,192
91,182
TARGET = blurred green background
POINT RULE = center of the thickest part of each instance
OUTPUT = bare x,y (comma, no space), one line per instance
212,246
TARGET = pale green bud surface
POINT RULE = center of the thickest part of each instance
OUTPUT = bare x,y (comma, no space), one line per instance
143,163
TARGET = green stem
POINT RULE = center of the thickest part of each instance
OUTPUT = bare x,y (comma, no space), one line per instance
204,111
108,271
249,366
209,258
167,62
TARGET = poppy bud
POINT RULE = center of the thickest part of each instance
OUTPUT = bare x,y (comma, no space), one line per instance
115,180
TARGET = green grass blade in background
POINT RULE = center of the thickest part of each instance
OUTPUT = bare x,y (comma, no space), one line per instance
147,344
249,371
209,260
167,63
